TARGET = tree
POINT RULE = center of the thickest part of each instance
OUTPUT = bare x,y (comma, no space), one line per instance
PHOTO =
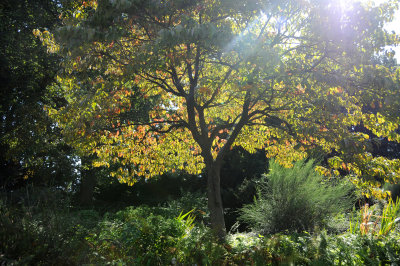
164,85
31,145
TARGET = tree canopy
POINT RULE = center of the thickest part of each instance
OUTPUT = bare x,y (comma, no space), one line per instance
163,85
31,145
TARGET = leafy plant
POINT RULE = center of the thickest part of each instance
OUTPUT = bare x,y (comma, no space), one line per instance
200,247
368,222
390,216
139,236
188,222
366,225
294,199
354,224
314,249
190,201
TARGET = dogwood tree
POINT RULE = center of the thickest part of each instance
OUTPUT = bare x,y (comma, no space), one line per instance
161,85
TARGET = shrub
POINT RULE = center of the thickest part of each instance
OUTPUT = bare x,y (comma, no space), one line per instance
137,236
349,249
36,229
316,249
200,247
294,199
40,234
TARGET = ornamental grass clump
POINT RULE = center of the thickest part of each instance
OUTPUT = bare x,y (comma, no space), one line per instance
295,199
370,221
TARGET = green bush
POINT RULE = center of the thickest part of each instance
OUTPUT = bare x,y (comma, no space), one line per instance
316,249
137,236
41,228
42,235
199,247
350,249
295,199
149,236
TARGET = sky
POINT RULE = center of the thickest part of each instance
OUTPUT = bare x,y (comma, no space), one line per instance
393,26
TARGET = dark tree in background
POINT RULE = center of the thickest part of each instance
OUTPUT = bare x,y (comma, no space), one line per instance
31,146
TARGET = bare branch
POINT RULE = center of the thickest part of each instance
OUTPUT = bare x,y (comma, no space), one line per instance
217,90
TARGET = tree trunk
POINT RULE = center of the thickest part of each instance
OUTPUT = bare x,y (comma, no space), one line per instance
88,183
215,200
